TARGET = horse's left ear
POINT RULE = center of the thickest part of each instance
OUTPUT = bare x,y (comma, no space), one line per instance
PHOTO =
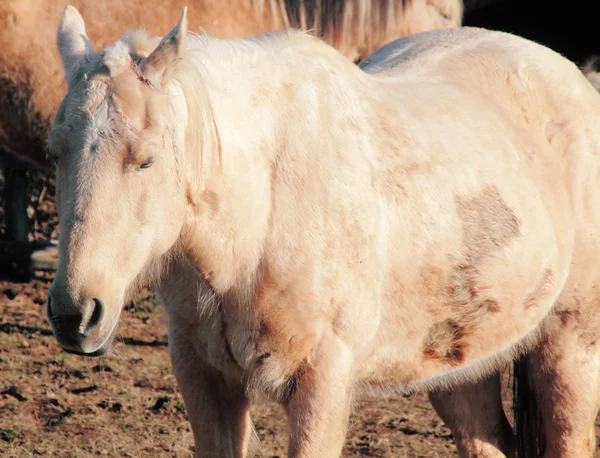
166,53
73,43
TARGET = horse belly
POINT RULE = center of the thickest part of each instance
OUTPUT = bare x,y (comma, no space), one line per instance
486,270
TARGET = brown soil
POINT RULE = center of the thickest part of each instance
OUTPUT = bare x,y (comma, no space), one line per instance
127,404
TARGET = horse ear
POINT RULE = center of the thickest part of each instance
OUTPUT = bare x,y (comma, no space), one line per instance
166,53
73,43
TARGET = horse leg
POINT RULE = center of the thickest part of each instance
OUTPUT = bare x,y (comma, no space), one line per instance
565,372
219,411
15,204
475,415
319,407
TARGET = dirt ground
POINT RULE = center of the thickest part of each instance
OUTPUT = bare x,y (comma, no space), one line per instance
127,404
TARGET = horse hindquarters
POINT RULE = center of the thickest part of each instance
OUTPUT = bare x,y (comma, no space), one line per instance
564,372
557,393
474,414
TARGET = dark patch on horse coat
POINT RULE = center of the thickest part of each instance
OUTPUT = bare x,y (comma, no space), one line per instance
541,289
293,382
444,342
462,288
488,223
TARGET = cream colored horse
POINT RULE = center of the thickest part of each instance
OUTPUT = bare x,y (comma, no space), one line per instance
317,232
31,79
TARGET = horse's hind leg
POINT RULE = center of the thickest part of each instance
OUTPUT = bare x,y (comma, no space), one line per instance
218,411
565,372
475,415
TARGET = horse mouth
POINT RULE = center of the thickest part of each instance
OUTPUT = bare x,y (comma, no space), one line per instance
100,352
86,347
81,349
68,334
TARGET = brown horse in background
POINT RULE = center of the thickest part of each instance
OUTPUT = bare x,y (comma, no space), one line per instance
31,77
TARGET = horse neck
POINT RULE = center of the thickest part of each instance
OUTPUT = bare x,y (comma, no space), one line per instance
265,110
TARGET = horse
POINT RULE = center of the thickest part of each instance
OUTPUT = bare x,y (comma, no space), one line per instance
318,232
31,85
591,71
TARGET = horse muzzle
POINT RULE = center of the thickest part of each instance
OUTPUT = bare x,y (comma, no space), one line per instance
83,330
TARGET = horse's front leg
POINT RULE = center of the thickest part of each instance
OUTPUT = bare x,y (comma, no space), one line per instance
320,406
218,410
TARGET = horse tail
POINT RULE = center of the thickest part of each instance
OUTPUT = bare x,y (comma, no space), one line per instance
591,70
529,427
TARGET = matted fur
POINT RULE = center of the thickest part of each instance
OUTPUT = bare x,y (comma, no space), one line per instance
318,231
31,82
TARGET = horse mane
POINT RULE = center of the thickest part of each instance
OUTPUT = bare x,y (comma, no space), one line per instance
324,16
343,23
205,62
31,77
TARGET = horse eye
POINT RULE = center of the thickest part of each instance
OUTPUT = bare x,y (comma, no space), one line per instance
145,165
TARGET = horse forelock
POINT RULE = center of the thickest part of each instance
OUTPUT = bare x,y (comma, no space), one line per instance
128,50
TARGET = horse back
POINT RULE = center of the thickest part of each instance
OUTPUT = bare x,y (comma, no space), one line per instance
485,200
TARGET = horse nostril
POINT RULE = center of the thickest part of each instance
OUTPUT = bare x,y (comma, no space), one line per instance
95,313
